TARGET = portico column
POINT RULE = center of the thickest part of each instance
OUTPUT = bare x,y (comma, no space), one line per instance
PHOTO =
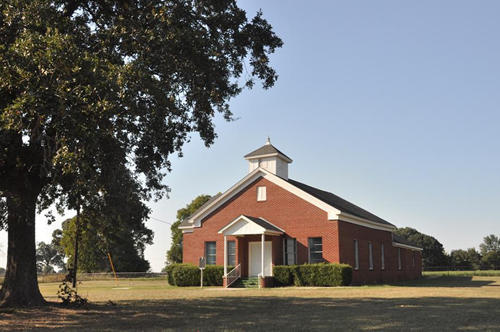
225,255
262,255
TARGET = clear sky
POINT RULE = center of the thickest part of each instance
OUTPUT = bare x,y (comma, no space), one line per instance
393,105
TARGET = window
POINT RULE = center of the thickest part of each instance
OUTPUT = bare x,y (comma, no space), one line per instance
399,258
315,250
210,253
370,255
231,253
382,257
261,194
290,251
356,255
413,259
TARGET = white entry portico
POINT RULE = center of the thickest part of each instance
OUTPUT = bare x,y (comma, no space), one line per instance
259,252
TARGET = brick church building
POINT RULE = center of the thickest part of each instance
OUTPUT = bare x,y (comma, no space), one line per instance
268,219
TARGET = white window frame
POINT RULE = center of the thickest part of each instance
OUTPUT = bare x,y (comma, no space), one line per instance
356,254
285,251
382,257
230,255
399,260
212,255
261,194
370,255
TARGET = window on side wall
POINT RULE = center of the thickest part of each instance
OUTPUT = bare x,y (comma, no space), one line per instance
290,251
315,250
413,258
370,255
382,257
399,259
231,253
210,253
356,255
261,194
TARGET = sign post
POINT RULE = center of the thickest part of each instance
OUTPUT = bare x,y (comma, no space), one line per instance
202,265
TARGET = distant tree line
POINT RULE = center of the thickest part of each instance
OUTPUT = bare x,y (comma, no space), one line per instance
435,257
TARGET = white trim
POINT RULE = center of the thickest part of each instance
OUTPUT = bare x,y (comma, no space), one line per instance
275,154
187,230
406,246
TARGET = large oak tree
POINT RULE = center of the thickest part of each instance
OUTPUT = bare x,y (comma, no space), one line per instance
90,90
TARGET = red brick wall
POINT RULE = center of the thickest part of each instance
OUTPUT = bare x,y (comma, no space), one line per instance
297,217
349,232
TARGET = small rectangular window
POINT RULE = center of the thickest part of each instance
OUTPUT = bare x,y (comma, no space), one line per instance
399,259
356,255
210,253
290,246
370,255
261,194
231,253
382,257
315,250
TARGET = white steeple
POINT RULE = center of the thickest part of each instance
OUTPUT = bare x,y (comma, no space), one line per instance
270,159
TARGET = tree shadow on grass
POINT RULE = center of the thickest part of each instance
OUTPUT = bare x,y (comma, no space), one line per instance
270,313
447,281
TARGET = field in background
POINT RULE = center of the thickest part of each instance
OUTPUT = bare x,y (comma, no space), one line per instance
432,303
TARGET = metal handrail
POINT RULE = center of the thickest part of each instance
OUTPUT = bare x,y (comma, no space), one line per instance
233,275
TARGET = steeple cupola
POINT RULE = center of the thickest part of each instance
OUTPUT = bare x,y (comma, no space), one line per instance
270,159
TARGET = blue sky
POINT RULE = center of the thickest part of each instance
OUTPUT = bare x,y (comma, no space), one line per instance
393,105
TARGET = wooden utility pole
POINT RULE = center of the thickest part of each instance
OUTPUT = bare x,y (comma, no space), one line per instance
77,235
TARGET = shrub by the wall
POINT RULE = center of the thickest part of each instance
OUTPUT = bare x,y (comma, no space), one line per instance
189,275
283,275
313,275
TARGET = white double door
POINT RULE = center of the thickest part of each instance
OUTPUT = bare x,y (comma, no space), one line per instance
255,259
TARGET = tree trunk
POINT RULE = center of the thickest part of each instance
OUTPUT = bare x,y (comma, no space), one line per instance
20,287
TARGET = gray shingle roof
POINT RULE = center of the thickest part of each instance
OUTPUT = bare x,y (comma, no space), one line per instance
264,150
338,202
261,222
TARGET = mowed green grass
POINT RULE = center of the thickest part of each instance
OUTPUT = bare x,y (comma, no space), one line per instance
430,304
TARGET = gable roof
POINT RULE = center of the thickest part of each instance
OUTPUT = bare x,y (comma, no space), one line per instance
240,226
267,149
263,223
335,207
339,202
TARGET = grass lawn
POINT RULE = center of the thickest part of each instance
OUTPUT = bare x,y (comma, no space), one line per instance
433,303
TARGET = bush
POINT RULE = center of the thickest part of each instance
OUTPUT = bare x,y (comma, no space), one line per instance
313,275
283,275
189,275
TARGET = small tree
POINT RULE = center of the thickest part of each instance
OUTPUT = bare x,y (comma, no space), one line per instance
174,254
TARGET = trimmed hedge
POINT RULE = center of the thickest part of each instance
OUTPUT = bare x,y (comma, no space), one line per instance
189,275
322,274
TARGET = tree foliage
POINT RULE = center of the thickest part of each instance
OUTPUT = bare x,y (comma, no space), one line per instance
433,252
174,254
126,247
90,88
48,257
490,250
466,259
